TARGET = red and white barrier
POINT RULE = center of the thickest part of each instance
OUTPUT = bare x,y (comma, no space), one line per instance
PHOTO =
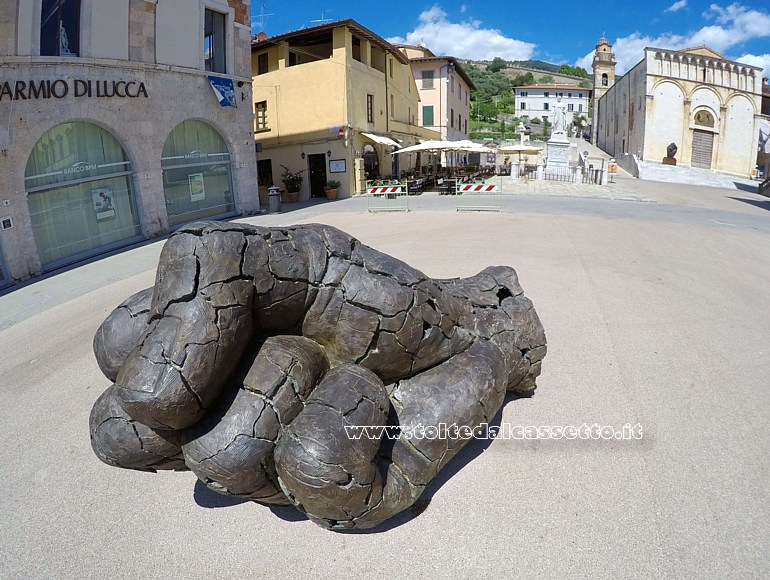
477,188
389,189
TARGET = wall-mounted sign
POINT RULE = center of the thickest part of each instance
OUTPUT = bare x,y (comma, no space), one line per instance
337,166
223,90
79,88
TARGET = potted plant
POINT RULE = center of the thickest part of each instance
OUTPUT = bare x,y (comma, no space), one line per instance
331,188
292,180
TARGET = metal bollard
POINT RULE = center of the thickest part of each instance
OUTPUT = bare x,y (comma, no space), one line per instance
274,198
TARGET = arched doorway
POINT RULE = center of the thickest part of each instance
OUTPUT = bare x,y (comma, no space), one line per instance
197,180
79,193
702,139
371,162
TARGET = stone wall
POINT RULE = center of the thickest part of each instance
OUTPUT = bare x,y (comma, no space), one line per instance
140,124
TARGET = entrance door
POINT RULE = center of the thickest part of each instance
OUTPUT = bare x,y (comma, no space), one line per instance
317,168
5,278
702,146
371,163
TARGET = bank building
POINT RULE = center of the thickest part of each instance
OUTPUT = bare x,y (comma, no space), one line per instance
119,121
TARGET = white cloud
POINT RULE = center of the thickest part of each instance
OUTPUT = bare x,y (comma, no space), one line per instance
464,39
676,6
463,9
735,24
762,60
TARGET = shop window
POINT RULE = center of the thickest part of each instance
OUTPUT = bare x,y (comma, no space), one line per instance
197,180
79,194
214,35
60,28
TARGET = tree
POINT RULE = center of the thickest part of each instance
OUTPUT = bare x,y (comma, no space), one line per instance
575,71
545,80
579,121
523,80
497,65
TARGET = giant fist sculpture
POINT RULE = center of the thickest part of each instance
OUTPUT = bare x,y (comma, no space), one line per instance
259,350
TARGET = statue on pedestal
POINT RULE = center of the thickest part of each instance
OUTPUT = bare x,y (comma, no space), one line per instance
558,117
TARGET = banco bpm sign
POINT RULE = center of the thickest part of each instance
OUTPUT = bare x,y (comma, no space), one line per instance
80,88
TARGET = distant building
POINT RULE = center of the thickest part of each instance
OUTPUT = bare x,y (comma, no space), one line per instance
695,98
333,101
111,129
537,101
444,89
603,77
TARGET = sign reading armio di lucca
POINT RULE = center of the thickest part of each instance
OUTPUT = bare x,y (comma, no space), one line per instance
60,88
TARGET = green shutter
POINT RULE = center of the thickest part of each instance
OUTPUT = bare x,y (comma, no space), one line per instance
427,116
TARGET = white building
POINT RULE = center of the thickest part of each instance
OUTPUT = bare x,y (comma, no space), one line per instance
707,105
112,131
537,101
444,89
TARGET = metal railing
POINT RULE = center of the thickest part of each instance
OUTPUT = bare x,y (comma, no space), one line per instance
477,195
564,174
387,195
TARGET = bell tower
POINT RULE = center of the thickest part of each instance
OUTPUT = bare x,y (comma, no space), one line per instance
604,77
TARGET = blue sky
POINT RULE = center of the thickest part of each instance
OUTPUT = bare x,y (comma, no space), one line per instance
559,32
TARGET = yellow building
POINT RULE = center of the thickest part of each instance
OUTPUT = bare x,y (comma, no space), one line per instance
333,101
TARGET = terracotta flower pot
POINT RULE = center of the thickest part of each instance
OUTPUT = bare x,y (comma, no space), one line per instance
330,193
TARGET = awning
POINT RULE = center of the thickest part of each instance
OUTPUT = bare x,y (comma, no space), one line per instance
381,140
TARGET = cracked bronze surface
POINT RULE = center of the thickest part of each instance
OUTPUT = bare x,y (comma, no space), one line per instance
259,348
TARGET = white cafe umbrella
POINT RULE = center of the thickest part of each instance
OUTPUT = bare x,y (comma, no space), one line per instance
437,146
429,146
526,149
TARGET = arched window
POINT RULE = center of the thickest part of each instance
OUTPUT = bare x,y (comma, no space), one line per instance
78,183
197,181
60,28
605,80
704,119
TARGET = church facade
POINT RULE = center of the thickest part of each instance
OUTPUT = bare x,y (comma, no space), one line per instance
705,104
